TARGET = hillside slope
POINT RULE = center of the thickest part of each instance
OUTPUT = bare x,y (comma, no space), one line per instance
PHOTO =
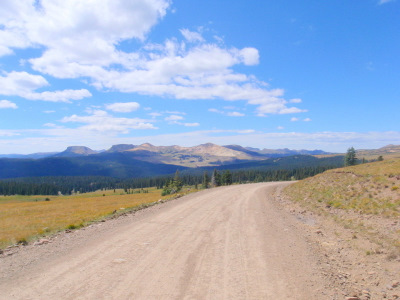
368,194
389,151
359,221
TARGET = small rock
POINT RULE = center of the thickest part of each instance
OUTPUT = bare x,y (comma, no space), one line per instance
318,232
352,298
395,284
365,292
41,242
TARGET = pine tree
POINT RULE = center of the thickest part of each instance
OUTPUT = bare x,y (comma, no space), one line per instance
227,177
350,159
206,180
215,178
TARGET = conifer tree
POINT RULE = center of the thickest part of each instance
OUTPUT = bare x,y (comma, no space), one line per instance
206,180
350,159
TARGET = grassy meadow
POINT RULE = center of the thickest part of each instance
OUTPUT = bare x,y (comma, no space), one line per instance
24,218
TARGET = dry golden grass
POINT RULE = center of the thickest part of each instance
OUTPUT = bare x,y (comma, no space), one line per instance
369,188
23,218
364,197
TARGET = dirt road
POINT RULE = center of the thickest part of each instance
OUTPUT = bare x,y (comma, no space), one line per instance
223,243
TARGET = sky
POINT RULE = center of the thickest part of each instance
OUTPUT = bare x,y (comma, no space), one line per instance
267,74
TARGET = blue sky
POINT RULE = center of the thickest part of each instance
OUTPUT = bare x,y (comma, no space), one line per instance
267,74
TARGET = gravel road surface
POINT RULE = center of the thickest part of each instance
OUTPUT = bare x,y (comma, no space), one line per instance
224,243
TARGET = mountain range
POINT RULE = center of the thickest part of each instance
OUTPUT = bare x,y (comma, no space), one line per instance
126,160
198,156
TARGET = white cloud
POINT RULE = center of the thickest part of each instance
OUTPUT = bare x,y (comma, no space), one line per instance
59,96
52,125
250,56
192,36
294,119
291,110
234,114
8,133
229,113
175,112
82,40
307,120
103,122
246,131
191,124
295,100
23,84
173,118
280,127
123,106
78,28
7,104
155,114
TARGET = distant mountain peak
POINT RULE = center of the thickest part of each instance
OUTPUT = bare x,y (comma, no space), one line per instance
76,151
147,145
80,150
121,147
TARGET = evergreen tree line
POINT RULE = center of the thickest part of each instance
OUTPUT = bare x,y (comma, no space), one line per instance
53,185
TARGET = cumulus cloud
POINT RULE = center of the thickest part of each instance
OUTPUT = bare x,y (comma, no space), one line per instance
123,106
192,36
250,56
294,119
307,120
83,41
23,84
101,121
7,104
80,27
